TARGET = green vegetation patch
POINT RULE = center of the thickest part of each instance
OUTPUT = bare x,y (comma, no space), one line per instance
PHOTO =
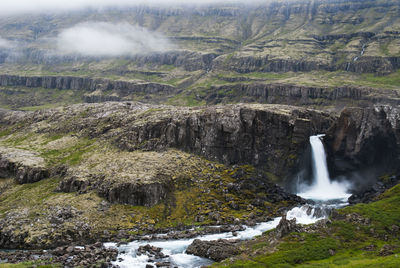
31,99
70,155
344,243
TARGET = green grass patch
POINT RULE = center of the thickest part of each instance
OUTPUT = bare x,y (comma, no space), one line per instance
392,79
313,247
5,132
70,155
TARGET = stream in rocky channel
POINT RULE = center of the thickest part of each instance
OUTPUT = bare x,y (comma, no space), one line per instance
323,195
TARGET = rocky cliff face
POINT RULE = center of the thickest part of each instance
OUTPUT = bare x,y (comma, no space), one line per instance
188,60
366,64
362,145
251,134
303,95
86,84
24,166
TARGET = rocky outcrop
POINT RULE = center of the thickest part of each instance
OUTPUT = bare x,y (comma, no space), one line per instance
188,60
286,227
378,65
133,192
269,137
361,141
215,250
304,95
86,84
91,98
24,166
247,64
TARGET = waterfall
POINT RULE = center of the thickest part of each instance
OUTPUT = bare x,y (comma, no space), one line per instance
322,188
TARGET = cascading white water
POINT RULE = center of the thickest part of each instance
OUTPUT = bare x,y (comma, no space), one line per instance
322,188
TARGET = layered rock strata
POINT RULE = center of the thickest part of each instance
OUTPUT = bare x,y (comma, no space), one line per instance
86,84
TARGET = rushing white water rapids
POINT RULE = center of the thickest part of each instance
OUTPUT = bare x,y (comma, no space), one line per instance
323,192
176,248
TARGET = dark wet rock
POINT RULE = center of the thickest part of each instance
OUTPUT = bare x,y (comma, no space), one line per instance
216,250
361,145
362,137
68,256
154,253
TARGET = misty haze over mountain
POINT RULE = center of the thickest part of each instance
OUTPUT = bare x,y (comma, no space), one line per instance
107,39
28,6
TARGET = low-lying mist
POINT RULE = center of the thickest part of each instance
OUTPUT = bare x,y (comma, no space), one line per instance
16,7
106,39
4,43
89,40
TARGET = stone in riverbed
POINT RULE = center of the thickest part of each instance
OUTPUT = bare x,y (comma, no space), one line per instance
215,250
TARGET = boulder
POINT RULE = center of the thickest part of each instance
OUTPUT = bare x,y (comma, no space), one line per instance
215,250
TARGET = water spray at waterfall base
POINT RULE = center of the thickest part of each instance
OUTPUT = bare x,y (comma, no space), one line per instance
322,188
324,194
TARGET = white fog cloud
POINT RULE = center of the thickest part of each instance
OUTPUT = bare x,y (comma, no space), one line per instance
4,43
107,39
12,7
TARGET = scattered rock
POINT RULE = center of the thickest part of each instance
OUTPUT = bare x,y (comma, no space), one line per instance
68,256
386,250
